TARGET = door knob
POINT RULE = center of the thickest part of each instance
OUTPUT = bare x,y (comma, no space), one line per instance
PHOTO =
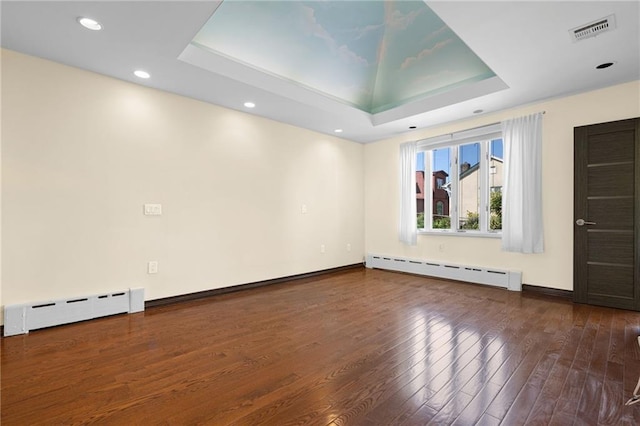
582,222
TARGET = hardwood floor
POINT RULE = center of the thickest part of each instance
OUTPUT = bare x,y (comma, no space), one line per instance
363,347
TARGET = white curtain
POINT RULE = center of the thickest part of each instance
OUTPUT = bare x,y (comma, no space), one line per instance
522,192
408,231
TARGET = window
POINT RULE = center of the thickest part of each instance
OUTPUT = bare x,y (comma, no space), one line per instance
469,191
464,193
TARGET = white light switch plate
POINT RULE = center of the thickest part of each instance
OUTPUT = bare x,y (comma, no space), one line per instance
153,209
152,267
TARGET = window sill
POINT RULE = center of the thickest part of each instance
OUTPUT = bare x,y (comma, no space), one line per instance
463,234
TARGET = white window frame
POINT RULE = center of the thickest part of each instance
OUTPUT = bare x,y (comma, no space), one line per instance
484,136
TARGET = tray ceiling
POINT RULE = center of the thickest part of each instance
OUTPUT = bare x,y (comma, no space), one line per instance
373,56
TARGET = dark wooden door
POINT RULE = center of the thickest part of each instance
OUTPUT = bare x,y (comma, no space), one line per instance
607,215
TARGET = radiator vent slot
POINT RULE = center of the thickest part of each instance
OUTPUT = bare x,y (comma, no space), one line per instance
511,280
20,319
593,29
43,305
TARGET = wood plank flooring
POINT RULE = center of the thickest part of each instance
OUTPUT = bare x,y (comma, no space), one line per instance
362,347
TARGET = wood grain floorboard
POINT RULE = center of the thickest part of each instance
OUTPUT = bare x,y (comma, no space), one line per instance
568,400
589,403
460,368
427,367
359,347
543,410
631,367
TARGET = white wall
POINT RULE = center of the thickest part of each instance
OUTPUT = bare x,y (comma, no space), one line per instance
82,153
553,268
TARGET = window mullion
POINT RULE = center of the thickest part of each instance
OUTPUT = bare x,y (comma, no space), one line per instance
484,187
428,185
453,199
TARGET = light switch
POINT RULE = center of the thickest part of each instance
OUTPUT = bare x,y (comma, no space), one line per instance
152,267
153,209
303,209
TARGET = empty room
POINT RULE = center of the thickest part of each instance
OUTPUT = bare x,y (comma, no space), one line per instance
320,212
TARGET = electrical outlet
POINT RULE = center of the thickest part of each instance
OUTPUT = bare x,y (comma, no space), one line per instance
303,209
322,248
153,209
152,267
348,247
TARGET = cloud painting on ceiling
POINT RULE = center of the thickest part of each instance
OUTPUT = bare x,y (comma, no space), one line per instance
372,55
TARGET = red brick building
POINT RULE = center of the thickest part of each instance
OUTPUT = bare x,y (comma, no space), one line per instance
440,195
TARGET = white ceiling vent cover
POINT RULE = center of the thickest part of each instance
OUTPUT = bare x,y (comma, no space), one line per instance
593,29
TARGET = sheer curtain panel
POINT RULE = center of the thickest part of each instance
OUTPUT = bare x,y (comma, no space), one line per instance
408,231
522,193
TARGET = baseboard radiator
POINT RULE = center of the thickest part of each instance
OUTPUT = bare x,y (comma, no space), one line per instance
511,280
20,319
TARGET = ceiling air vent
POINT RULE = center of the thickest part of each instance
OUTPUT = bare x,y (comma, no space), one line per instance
593,29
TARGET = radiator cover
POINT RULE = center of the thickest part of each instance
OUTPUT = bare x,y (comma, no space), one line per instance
511,280
20,319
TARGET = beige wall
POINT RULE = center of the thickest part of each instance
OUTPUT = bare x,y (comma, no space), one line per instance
82,153
1,243
553,268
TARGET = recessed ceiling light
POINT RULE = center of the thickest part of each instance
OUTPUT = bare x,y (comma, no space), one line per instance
249,105
478,111
338,131
141,74
605,65
90,24
412,127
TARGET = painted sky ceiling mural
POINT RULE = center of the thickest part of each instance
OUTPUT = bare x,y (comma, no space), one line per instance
373,55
